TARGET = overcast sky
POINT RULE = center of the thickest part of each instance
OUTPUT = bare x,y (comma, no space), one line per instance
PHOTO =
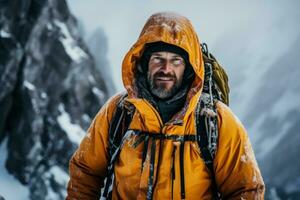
213,20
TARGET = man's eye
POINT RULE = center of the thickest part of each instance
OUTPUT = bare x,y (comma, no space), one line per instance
177,62
156,60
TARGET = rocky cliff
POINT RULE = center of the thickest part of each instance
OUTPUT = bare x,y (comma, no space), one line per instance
50,89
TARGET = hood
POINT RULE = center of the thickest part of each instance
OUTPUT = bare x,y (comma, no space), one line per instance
170,28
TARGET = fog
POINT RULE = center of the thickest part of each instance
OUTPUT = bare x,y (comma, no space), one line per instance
214,21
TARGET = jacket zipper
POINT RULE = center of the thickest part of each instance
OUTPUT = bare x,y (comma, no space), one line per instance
173,171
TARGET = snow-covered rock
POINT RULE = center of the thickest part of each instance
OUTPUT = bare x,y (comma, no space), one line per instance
50,90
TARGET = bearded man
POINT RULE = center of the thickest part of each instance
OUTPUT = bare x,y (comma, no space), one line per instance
163,74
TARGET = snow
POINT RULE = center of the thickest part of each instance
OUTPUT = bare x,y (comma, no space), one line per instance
49,26
44,95
293,186
254,179
50,193
244,158
255,128
169,16
4,34
98,93
10,188
269,143
76,53
169,27
35,151
74,131
274,195
61,177
284,104
166,20
91,79
34,102
29,85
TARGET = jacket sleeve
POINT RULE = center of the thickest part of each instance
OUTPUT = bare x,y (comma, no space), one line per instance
88,164
236,169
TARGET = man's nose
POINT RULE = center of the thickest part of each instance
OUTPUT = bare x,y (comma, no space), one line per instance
167,66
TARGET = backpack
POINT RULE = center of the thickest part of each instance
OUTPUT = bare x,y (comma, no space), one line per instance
215,89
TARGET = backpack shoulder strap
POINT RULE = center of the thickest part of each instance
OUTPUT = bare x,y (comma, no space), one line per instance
118,126
207,130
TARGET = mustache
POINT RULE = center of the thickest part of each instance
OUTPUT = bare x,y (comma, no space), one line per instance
162,74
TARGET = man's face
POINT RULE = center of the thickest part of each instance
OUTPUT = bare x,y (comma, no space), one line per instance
165,73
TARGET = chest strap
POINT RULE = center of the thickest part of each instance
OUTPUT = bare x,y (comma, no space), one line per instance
145,137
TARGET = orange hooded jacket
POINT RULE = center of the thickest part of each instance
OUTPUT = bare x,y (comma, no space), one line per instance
236,170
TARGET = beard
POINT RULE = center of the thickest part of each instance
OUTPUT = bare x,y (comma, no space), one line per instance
161,90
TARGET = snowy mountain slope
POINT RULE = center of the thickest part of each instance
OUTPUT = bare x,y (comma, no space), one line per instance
50,91
277,105
98,46
10,187
264,76
260,57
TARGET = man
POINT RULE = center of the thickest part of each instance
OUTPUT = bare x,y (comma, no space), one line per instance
163,74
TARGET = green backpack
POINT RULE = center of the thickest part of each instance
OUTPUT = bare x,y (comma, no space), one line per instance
219,84
215,89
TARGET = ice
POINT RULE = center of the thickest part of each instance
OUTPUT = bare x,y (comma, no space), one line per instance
74,131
